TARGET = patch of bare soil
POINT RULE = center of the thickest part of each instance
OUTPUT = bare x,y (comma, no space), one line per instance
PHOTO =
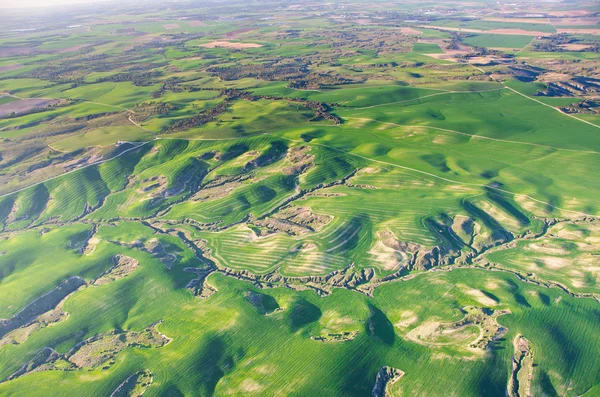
574,21
574,47
26,105
101,349
577,31
485,60
553,77
480,297
390,252
361,21
237,32
196,23
171,26
122,266
388,258
7,68
569,13
407,318
156,189
390,240
220,187
229,44
295,221
410,31
437,333
300,158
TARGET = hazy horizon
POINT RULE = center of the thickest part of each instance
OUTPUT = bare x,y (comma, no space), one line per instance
44,3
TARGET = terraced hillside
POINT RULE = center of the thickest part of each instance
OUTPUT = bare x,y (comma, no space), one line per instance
318,206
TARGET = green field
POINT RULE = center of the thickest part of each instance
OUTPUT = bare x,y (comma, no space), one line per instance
313,207
497,40
424,48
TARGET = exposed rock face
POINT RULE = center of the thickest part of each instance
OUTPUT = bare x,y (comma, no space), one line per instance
295,221
37,363
199,286
519,384
220,187
385,377
349,278
389,240
101,349
122,267
94,352
134,386
41,305
301,160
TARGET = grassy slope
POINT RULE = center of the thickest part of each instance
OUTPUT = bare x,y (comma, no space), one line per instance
222,345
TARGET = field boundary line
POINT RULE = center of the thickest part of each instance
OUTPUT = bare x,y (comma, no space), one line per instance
475,135
106,104
325,146
552,107
142,127
426,96
526,45
445,179
381,86
76,169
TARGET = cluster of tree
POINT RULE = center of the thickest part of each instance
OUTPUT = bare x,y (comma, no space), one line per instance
455,41
55,73
173,86
366,39
554,43
270,71
72,70
314,81
298,75
322,112
208,115
201,118
321,109
142,111
140,79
